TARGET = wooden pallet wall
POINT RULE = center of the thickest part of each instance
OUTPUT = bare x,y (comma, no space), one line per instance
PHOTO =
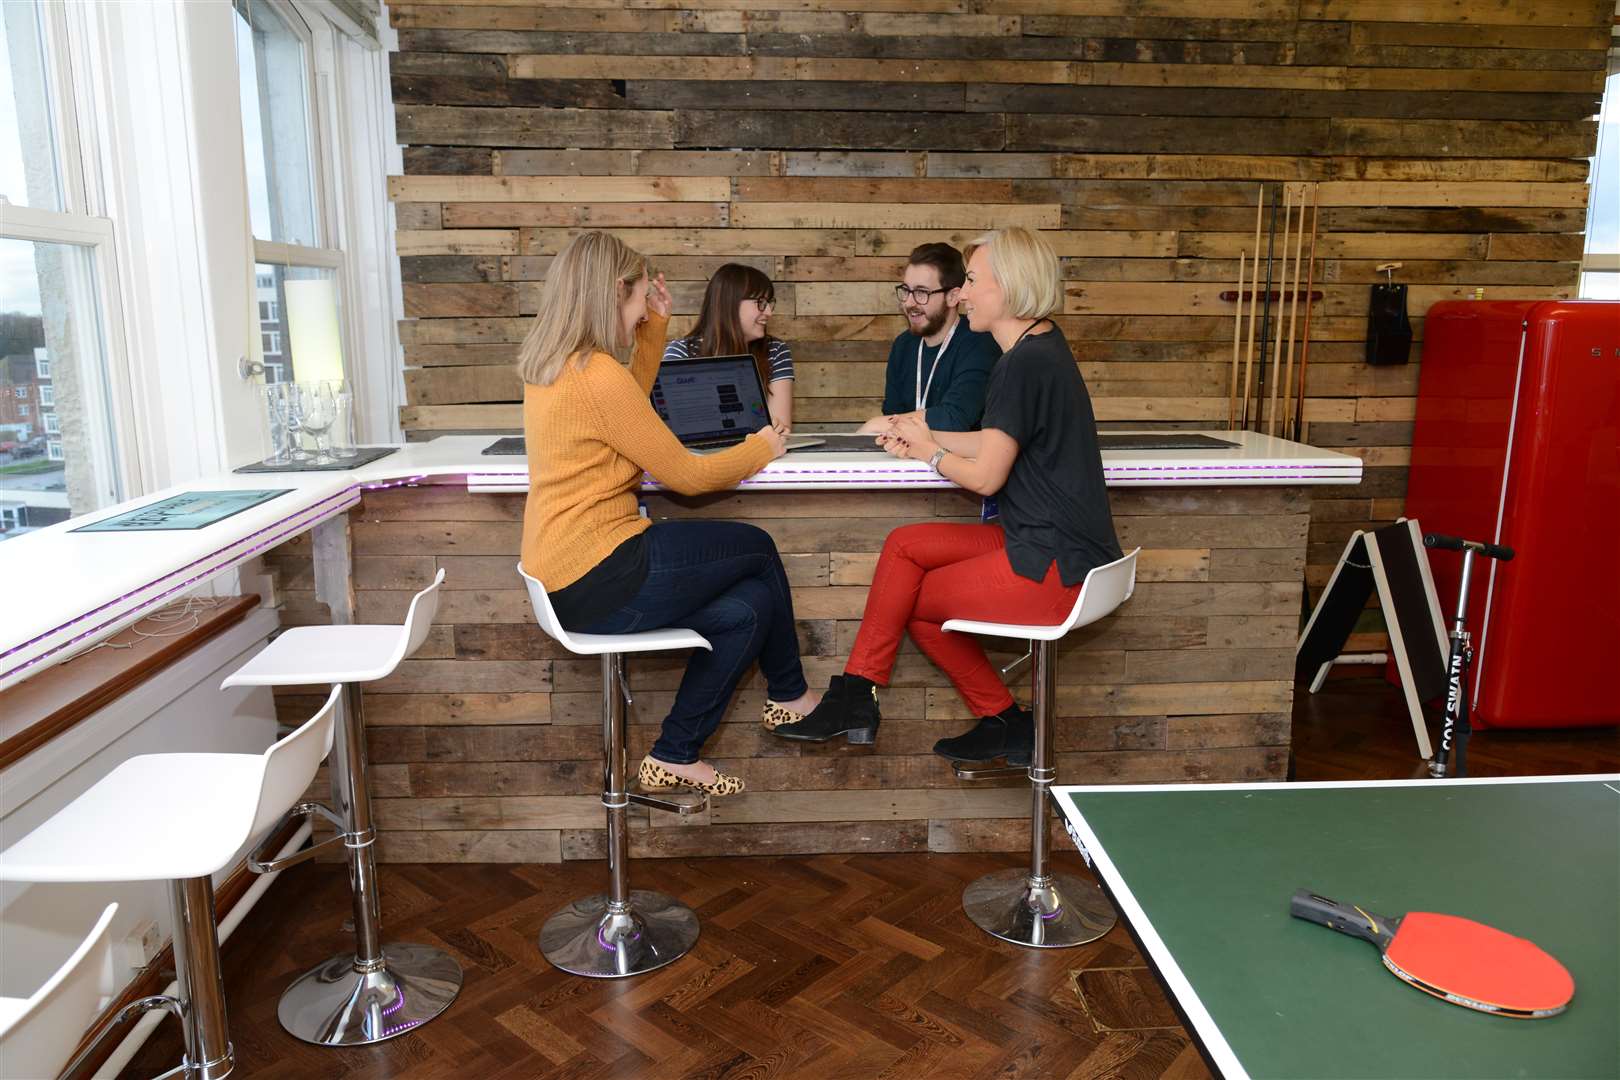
486,744
821,139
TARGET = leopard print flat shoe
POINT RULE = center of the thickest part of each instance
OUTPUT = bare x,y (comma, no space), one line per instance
774,715
654,777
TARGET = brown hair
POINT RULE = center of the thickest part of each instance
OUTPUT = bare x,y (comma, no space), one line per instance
951,264
718,331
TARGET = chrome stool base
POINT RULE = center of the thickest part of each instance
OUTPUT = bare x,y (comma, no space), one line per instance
1066,911
337,1004
585,938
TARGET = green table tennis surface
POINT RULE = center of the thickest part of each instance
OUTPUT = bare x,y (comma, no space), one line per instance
1204,873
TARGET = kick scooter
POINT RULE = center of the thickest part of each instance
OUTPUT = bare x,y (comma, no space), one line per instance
1461,655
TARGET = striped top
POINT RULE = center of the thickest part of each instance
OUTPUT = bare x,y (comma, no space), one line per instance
778,356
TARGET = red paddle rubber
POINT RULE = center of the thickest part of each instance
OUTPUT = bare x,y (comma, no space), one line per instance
1477,966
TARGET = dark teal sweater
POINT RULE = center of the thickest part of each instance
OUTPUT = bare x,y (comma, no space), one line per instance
956,397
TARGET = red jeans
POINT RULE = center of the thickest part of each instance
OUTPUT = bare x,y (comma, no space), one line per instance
929,574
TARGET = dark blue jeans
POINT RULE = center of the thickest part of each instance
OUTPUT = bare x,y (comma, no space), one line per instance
725,580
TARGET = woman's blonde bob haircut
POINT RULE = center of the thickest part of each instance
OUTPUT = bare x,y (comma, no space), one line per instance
1026,268
579,307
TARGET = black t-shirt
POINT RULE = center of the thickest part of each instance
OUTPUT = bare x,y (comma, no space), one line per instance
1054,504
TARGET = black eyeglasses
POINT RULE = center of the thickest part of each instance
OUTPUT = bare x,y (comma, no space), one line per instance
903,293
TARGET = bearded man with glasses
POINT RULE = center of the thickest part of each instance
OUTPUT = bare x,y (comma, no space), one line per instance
938,367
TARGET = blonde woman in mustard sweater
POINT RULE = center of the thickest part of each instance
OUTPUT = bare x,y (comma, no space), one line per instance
591,433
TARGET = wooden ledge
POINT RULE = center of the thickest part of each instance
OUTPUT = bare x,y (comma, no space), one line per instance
39,709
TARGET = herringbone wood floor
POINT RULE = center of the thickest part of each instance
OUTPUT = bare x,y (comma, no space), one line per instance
833,966
857,966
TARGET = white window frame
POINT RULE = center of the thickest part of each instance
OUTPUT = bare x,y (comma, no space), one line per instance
42,367
47,396
1604,262
315,33
53,424
82,222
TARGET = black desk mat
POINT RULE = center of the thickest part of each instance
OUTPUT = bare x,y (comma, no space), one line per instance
1168,441
364,455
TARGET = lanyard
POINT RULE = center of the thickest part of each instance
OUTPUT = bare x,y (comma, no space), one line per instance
922,391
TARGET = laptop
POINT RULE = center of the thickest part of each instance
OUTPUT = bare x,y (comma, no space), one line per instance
713,402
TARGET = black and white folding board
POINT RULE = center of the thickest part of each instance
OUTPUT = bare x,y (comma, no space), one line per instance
1393,561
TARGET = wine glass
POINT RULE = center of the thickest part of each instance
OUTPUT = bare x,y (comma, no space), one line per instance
319,413
275,410
292,405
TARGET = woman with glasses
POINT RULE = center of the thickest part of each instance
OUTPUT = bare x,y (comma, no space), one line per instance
1038,455
737,309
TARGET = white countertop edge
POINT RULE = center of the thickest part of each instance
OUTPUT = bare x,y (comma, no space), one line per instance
67,639
116,597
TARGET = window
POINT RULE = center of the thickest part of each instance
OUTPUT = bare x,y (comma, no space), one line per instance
58,299
1600,269
298,269
28,163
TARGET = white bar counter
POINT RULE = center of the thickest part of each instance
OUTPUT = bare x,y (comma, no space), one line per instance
65,590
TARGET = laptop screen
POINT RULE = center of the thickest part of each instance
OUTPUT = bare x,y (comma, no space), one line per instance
710,398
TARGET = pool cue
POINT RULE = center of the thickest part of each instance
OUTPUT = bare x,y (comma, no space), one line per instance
1270,414
1305,347
1287,382
1265,317
1254,272
1237,338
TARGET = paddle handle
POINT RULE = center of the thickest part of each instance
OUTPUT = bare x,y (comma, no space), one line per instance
1345,918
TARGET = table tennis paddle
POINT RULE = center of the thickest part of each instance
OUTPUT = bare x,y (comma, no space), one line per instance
1455,959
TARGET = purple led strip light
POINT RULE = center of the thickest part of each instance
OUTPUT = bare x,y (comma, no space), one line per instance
406,481
299,521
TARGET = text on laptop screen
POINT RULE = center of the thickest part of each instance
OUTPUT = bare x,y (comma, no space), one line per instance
710,399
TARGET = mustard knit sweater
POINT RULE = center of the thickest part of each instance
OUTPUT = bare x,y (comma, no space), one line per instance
590,435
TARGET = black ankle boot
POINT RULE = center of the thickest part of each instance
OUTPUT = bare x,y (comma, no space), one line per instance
849,708
1011,734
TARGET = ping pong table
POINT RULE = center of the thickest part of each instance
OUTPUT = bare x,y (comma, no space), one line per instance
1203,873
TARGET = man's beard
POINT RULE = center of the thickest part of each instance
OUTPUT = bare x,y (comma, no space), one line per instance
934,325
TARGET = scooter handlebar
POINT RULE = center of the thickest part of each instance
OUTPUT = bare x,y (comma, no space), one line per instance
1457,543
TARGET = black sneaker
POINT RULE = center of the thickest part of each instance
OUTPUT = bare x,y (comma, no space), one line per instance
1010,735
849,708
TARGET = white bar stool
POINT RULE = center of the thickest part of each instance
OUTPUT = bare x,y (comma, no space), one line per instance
38,1032
180,818
1037,907
377,991
622,932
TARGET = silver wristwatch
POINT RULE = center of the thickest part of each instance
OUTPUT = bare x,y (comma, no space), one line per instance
939,455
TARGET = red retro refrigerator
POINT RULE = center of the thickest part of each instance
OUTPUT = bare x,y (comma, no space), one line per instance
1517,442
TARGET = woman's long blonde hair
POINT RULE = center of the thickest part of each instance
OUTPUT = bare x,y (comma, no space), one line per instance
579,306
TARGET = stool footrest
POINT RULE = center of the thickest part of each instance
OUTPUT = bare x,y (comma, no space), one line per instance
998,772
261,860
127,1013
671,806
